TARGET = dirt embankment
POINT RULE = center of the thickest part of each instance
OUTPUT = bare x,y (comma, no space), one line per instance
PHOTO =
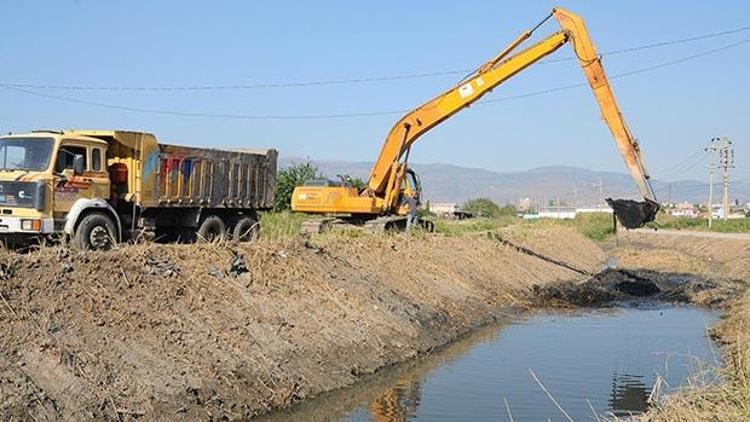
229,332
711,257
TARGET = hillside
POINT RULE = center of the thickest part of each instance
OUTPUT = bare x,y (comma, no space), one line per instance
451,183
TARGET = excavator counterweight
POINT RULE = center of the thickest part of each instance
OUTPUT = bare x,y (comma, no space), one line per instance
391,181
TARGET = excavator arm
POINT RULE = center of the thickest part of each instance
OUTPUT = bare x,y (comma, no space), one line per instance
387,174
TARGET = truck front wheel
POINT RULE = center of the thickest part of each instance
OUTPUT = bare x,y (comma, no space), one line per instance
212,229
96,231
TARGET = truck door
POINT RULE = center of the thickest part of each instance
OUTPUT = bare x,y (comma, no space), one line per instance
98,173
69,187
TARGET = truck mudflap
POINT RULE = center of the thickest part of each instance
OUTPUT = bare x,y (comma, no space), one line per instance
633,214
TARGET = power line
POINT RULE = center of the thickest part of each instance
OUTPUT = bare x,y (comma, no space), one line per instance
690,159
685,166
387,78
622,75
358,114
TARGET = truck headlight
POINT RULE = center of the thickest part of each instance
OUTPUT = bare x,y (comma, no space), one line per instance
31,225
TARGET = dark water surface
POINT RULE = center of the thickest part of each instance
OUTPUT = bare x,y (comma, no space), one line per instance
610,359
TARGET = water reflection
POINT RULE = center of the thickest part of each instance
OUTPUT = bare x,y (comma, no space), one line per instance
608,359
629,395
397,403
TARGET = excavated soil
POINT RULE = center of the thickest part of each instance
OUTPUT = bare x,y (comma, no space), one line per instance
613,287
229,332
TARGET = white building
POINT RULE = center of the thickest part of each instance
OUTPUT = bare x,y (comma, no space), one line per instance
449,210
560,213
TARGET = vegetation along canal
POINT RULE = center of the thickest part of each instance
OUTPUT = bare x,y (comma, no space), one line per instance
606,362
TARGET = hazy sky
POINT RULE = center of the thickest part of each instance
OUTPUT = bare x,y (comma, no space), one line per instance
672,110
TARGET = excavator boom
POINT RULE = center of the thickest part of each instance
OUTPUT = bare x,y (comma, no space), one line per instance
631,213
385,186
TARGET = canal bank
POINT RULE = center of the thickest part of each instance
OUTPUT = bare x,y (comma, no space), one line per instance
205,331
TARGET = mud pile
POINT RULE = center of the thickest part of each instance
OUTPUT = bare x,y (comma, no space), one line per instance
612,287
191,331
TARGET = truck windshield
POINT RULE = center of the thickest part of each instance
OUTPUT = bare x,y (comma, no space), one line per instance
25,153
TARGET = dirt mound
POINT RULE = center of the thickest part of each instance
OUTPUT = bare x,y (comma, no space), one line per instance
197,332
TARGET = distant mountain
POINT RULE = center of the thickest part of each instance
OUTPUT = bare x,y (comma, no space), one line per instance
451,183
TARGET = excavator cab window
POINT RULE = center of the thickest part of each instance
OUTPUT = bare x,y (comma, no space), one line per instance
411,184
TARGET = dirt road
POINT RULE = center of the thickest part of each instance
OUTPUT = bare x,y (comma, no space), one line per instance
693,233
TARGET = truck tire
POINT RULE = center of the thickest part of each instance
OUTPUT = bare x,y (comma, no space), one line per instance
96,231
212,229
246,230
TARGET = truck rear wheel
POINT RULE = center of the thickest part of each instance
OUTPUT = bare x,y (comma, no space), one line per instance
96,231
246,230
212,229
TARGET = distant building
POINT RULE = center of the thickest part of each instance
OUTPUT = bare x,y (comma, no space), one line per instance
685,210
604,210
449,210
559,213
524,205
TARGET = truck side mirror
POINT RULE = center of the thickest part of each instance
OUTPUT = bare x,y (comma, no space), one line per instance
78,165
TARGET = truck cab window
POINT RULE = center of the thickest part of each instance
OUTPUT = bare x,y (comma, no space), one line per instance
96,159
65,157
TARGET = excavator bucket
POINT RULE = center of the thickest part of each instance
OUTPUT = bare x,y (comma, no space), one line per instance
634,214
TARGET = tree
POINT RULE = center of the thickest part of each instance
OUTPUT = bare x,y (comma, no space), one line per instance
289,178
483,207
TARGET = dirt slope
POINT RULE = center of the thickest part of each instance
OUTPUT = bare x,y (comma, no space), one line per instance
229,332
715,257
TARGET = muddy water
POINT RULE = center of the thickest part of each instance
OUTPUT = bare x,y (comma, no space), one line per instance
605,360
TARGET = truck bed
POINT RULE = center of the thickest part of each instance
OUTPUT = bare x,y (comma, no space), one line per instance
203,177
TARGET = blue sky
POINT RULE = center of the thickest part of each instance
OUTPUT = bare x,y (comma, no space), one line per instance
673,110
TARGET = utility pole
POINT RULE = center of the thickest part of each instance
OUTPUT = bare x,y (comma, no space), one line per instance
723,148
711,149
601,189
575,196
669,195
726,160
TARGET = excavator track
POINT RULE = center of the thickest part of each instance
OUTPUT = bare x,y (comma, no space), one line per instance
395,223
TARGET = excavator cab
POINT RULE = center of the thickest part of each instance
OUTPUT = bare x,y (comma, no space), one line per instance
412,184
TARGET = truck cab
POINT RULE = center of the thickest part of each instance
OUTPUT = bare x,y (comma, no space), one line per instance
44,175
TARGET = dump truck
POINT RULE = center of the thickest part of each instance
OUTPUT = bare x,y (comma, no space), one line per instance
100,187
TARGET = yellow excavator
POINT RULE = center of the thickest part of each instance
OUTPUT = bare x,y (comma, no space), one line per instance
381,203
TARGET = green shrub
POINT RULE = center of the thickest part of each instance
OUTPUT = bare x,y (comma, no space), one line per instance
486,208
289,178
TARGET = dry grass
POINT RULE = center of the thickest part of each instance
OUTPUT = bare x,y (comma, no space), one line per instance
728,401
